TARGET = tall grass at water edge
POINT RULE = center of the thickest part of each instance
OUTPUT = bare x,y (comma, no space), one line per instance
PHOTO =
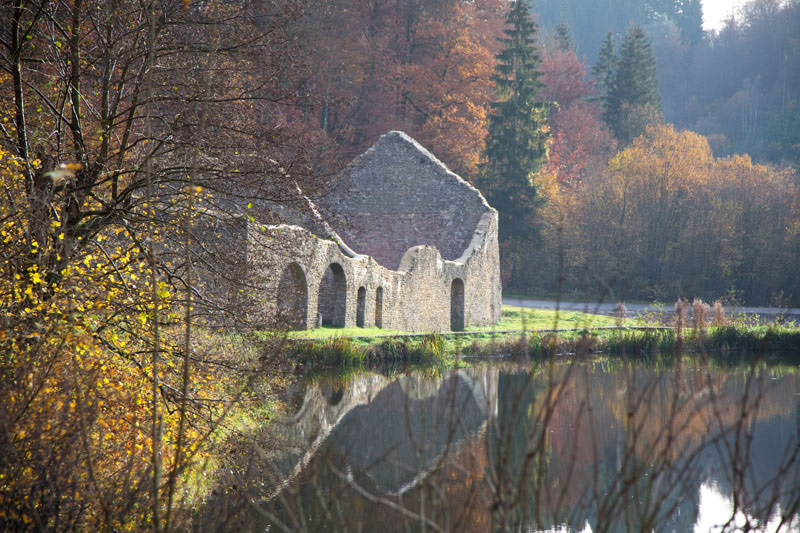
707,331
735,342
730,342
343,352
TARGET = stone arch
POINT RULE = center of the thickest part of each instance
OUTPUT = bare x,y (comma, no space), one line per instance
379,307
361,306
333,395
457,305
292,297
332,300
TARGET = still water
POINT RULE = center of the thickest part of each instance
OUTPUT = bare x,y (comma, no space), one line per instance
594,446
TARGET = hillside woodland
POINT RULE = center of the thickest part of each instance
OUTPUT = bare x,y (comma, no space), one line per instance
608,72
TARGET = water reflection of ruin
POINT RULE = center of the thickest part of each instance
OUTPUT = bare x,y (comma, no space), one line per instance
394,430
624,447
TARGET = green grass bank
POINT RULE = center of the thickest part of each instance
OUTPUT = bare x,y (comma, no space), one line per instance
536,333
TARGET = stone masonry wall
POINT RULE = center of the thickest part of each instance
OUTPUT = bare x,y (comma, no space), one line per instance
422,226
397,195
415,298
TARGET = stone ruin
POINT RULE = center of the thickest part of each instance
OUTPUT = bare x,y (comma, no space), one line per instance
411,246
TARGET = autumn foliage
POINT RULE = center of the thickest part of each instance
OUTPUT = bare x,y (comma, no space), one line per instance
76,363
668,218
581,144
420,67
126,130
116,124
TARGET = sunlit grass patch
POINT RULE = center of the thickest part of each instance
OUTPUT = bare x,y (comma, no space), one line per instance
514,318
528,318
327,331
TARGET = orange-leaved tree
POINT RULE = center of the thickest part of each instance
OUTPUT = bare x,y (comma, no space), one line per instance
669,220
651,193
421,67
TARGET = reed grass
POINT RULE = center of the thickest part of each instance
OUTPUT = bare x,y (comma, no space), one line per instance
344,353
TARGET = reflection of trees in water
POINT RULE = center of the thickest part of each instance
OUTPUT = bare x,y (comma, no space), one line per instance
624,447
635,444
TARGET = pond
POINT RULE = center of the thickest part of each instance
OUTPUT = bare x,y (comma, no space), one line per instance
667,445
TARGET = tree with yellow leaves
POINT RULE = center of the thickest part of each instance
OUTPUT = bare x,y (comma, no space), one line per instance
116,121
670,220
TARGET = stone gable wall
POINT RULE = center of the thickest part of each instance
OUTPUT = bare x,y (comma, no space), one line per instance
415,227
397,195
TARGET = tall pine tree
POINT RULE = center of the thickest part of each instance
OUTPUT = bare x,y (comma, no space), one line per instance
690,20
563,37
634,100
516,144
605,69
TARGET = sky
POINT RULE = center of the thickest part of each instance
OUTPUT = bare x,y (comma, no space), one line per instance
717,11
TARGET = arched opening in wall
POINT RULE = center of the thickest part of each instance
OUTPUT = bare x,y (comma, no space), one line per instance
332,301
457,305
361,304
379,307
292,298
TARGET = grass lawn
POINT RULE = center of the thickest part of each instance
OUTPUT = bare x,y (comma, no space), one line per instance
529,318
514,318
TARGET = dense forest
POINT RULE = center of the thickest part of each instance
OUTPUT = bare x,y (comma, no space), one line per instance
737,234
324,79
607,72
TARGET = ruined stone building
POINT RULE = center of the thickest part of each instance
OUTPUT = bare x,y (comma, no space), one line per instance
411,246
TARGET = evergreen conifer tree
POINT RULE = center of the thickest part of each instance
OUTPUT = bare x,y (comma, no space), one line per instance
605,69
690,20
634,100
516,144
563,37
661,8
